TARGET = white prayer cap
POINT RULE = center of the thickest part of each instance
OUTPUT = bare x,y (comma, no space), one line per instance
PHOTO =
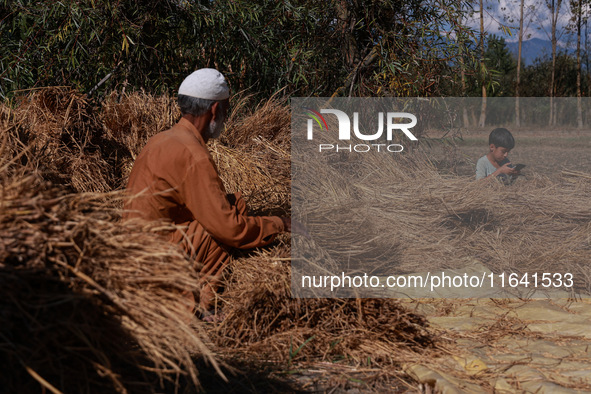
205,83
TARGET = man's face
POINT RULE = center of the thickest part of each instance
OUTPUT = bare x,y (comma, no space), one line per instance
217,126
499,153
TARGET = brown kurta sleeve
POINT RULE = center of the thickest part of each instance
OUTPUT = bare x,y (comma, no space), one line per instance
206,198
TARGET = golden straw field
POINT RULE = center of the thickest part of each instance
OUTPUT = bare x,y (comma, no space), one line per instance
89,304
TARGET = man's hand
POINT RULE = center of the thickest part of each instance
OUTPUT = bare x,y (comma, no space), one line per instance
297,227
286,224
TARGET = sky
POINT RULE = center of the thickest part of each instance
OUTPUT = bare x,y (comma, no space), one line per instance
536,24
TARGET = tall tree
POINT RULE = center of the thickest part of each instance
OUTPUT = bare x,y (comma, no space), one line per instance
465,118
577,11
501,68
482,120
517,81
554,7
464,40
587,50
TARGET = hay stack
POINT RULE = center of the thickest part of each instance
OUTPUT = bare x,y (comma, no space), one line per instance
262,316
75,143
63,138
133,118
253,156
269,121
88,305
436,222
130,120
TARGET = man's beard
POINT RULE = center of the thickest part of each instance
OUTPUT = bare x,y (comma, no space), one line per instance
215,128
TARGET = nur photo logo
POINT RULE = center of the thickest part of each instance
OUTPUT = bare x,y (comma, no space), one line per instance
388,123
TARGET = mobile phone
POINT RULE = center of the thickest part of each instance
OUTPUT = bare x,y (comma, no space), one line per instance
519,167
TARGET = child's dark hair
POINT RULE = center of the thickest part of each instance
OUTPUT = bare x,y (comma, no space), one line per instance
501,137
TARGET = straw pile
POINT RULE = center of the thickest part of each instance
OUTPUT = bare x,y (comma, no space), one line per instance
253,157
135,117
85,268
260,313
61,133
130,120
429,221
82,145
88,304
262,316
269,121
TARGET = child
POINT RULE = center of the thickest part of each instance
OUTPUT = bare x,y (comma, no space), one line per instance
495,163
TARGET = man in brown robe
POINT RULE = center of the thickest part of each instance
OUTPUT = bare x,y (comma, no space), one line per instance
174,178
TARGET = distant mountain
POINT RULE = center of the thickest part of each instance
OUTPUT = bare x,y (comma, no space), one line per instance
532,49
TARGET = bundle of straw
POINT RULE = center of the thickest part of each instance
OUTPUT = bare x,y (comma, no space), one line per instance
133,118
62,138
253,156
88,304
129,120
262,316
270,120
